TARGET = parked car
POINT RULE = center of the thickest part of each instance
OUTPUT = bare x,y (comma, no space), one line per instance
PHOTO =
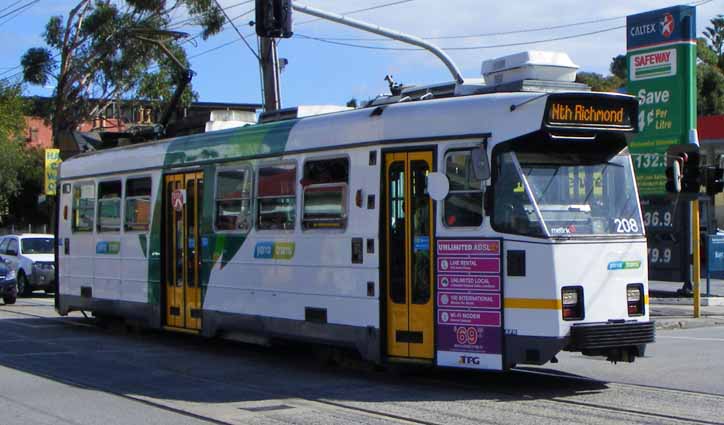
8,287
31,256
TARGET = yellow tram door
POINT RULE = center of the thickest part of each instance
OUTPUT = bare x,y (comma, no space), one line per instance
409,254
182,250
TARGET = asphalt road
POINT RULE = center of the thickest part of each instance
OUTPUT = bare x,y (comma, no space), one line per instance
69,371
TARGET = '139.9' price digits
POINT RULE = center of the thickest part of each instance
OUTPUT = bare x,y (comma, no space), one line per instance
659,256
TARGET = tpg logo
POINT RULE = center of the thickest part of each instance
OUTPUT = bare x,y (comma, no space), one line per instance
469,360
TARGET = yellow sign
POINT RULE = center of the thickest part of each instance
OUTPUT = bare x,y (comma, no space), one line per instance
587,114
52,161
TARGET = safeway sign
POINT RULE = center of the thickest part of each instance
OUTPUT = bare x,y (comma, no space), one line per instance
653,65
661,57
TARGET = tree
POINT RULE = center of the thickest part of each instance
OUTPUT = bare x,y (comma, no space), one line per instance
715,34
710,69
19,167
706,54
710,88
101,52
619,68
598,82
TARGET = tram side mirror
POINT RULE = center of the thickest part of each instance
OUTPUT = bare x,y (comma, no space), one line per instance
481,165
438,186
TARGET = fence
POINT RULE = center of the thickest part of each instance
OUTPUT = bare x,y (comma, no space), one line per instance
21,228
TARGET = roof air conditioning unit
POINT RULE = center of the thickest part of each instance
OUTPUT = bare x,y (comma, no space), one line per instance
531,65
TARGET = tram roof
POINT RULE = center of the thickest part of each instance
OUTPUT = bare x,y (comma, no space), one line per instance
451,118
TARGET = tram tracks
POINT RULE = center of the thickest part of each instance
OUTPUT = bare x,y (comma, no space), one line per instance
617,387
396,412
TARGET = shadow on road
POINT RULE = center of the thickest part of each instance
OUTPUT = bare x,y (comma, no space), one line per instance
191,369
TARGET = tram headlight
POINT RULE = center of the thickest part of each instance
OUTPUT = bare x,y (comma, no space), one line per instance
635,299
572,302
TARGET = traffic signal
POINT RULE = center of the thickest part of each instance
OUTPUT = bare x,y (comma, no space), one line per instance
274,18
682,169
714,180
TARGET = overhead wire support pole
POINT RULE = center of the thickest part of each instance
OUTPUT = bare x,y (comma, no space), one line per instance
270,73
395,35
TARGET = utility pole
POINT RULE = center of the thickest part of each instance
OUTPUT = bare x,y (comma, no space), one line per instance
270,73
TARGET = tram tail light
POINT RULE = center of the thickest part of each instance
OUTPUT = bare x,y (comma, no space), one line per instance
635,299
572,300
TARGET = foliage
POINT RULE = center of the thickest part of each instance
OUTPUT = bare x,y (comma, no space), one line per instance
619,68
598,82
12,107
103,50
158,86
710,87
609,83
704,53
20,167
715,34
710,70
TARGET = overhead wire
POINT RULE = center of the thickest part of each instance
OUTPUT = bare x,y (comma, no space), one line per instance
492,46
228,43
482,35
10,5
17,11
237,30
501,33
366,9
185,21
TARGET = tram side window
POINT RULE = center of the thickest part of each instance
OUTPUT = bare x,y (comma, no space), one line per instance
84,199
138,204
463,206
233,200
325,194
109,206
276,200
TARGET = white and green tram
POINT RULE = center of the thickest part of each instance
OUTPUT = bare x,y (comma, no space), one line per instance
478,231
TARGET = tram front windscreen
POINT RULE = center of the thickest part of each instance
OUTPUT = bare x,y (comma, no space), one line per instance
567,194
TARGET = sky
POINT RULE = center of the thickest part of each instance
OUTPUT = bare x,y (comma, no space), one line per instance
322,73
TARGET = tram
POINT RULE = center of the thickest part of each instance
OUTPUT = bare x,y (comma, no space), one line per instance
483,230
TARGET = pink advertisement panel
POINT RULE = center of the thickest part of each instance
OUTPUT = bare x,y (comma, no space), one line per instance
472,264
468,300
468,317
468,282
467,247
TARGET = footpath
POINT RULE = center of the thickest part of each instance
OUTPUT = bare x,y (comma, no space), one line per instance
672,310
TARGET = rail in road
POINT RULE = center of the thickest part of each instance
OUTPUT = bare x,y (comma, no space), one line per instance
227,383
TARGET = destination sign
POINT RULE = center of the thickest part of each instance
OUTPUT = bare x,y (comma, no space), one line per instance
590,111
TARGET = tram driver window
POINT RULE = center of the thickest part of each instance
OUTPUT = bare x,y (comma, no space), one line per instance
109,206
233,200
276,200
325,194
463,205
138,204
513,212
84,199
